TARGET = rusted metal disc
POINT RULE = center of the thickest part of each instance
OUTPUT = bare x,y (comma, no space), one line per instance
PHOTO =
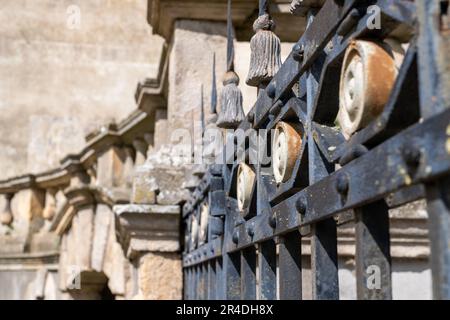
367,78
245,181
204,214
286,148
194,231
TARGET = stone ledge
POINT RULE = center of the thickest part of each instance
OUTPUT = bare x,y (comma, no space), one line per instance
147,228
161,15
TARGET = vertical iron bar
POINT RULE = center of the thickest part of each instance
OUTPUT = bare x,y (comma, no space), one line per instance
188,288
438,199
185,283
289,266
373,259
207,269
267,263
196,281
212,287
248,274
324,264
214,87
434,80
230,39
220,280
263,7
231,265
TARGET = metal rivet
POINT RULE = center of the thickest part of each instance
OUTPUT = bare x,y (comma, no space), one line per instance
297,52
250,231
300,206
342,184
412,156
235,237
273,221
271,90
251,117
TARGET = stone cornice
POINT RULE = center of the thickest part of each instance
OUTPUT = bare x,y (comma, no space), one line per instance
136,125
151,93
150,96
161,15
147,228
82,196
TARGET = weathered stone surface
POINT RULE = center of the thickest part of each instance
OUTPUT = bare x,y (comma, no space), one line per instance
147,228
113,167
70,73
160,179
144,188
53,138
44,241
187,71
115,265
102,221
162,134
160,276
83,228
167,197
28,204
145,209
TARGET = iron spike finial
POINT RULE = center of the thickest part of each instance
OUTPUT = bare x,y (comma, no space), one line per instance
202,111
230,39
214,87
231,112
263,7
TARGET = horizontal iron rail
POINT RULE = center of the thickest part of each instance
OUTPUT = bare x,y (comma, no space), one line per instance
322,200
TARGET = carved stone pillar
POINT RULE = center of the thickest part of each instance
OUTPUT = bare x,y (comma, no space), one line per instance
149,235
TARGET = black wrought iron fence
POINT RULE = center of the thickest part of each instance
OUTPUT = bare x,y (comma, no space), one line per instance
359,115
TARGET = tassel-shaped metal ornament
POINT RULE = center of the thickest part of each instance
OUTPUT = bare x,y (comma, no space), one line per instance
265,49
231,112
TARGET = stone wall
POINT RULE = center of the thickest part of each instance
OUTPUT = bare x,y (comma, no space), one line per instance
67,66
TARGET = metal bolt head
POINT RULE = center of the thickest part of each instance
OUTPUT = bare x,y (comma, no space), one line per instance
412,156
250,231
300,206
251,117
273,221
342,184
297,52
271,90
235,237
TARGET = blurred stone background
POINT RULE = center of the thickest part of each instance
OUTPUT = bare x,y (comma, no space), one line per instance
67,67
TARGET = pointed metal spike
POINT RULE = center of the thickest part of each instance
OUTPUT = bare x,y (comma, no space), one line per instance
202,111
192,131
263,7
230,38
214,87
